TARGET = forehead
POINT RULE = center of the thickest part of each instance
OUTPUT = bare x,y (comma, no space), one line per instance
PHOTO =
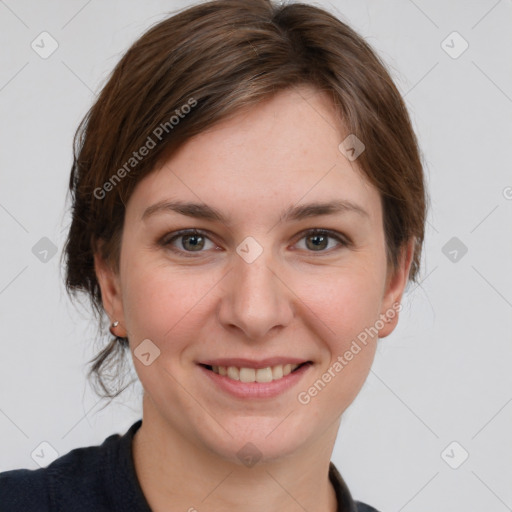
282,151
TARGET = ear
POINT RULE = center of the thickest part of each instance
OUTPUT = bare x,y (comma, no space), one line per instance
395,286
111,296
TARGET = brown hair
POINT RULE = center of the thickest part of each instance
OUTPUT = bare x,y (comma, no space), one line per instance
204,65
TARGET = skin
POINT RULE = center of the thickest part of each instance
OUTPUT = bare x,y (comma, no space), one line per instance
292,300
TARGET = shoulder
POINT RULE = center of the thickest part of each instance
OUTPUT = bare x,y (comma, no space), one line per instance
70,482
24,489
363,507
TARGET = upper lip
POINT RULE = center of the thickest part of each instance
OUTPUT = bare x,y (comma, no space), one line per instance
253,363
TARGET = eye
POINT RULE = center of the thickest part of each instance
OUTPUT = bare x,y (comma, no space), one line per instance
317,240
188,241
192,240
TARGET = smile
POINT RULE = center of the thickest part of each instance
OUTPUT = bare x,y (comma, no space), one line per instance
268,374
246,379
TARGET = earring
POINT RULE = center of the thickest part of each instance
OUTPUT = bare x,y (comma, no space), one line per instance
112,327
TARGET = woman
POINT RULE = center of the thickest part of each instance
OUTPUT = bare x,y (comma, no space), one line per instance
248,207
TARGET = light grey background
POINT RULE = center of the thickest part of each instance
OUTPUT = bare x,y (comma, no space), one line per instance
442,376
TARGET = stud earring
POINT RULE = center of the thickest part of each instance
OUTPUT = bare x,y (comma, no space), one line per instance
112,327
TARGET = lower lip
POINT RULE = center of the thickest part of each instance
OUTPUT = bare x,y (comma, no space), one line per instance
256,389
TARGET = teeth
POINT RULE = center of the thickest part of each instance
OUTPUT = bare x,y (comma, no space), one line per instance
247,375
233,373
277,372
267,374
263,374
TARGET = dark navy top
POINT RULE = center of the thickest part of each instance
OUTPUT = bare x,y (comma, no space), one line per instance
102,479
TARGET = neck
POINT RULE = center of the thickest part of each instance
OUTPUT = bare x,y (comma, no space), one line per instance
177,474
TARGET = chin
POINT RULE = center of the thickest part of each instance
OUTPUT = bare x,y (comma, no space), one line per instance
245,451
255,439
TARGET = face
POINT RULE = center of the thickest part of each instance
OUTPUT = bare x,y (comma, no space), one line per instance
268,279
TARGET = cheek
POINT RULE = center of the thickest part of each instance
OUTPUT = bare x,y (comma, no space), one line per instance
345,303
345,308
161,303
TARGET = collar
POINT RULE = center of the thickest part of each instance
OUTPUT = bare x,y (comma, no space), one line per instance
345,501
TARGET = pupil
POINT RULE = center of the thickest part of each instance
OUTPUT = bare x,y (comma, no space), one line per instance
318,238
194,244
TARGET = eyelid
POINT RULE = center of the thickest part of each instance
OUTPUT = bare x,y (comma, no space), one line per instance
324,231
166,240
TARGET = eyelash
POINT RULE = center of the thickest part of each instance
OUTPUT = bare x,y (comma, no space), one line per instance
167,240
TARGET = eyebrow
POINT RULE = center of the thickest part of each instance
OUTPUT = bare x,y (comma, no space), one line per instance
292,213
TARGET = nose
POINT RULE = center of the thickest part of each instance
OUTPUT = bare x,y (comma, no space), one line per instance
256,298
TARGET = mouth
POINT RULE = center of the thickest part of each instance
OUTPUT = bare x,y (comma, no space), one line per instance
246,378
251,374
